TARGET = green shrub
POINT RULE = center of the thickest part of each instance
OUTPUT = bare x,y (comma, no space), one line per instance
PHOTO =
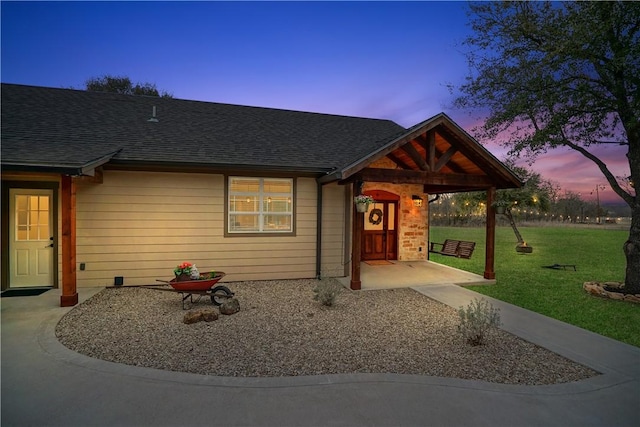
477,320
326,292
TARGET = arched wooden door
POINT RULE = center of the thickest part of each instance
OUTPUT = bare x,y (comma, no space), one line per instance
380,234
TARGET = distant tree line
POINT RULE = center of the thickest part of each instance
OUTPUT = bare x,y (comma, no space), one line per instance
124,85
461,209
537,200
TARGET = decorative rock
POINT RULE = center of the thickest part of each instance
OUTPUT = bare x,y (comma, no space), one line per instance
615,295
192,317
632,298
613,285
600,290
196,316
593,288
230,306
209,315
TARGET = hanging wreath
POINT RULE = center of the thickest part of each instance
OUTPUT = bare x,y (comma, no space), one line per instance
375,217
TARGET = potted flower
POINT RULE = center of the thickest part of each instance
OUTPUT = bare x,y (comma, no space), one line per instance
184,271
362,202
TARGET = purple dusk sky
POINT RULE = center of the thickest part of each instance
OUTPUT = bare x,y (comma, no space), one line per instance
389,60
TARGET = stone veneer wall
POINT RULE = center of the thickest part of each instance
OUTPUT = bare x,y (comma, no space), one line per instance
413,222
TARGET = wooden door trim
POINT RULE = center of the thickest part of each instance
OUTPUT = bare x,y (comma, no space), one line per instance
27,185
385,198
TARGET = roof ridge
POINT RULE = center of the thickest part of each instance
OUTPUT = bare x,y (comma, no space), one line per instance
197,101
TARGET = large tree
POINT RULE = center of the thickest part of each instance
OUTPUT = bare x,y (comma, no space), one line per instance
549,75
121,84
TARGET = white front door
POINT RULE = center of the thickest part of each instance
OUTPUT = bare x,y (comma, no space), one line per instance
30,237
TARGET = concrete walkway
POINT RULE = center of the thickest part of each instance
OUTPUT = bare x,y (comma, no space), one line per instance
43,383
405,274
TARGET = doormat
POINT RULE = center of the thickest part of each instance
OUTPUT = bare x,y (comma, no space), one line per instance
26,292
378,262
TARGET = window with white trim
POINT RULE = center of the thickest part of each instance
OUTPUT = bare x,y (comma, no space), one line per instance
260,205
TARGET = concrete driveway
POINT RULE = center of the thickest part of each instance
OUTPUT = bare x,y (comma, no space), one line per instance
44,383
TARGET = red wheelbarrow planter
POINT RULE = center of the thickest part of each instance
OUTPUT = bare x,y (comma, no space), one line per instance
205,286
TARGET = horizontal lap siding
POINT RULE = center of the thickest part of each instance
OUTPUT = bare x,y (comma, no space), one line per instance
139,225
333,239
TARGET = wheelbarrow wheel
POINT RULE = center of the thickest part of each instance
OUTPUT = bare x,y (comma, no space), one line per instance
219,294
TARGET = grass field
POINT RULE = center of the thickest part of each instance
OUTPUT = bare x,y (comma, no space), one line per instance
522,280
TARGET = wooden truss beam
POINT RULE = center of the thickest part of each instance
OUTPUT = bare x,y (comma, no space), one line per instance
415,156
431,150
444,159
399,176
397,161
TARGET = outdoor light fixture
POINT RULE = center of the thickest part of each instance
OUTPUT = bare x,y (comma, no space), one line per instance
417,201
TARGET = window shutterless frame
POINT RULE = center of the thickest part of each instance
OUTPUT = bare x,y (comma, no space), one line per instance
259,205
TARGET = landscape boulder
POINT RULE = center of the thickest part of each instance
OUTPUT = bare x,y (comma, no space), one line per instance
611,290
195,316
230,306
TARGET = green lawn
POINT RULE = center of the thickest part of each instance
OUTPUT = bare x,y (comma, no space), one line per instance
521,280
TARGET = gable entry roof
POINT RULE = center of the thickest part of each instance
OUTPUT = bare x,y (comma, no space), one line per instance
72,132
438,154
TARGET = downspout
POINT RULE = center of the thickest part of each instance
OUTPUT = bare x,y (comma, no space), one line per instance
319,231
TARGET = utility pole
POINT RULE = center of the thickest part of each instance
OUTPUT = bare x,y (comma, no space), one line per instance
598,187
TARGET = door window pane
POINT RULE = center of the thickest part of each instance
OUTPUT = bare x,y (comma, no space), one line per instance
391,217
22,203
32,217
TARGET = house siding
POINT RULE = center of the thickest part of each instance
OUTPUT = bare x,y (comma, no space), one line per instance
139,225
333,230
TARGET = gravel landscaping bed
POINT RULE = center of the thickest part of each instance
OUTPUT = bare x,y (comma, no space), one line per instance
281,331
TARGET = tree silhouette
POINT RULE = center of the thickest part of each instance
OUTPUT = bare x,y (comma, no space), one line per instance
549,75
123,85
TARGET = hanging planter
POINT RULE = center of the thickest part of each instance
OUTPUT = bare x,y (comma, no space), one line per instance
500,206
362,207
362,202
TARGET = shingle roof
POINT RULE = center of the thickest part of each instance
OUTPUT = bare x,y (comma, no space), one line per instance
64,127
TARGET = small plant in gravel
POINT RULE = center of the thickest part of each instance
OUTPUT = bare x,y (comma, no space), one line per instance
477,320
326,291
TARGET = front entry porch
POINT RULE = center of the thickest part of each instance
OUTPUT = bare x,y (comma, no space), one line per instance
404,274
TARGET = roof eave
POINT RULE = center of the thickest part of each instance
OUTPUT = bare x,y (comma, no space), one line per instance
42,168
78,169
219,167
